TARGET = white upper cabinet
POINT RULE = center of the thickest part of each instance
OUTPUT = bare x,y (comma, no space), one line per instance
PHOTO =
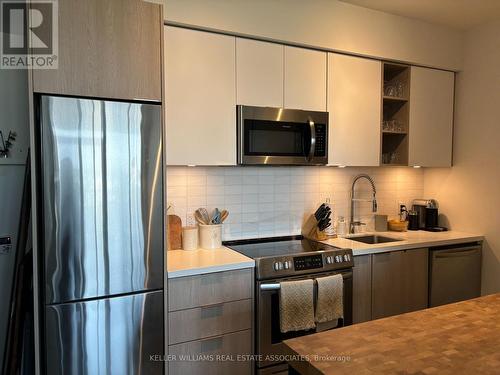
305,79
200,92
259,73
431,117
354,105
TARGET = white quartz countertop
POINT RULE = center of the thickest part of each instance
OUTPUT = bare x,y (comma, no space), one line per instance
196,262
410,240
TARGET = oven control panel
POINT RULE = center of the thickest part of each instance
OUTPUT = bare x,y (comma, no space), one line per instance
291,265
308,262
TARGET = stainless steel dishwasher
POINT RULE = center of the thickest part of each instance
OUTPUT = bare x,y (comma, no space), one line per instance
455,273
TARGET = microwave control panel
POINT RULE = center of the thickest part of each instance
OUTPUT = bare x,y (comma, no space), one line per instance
321,140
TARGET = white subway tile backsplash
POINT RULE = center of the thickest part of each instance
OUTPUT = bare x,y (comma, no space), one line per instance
215,180
197,180
250,198
233,189
275,201
233,180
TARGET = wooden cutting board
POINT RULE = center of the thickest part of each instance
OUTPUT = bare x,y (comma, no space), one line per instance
174,230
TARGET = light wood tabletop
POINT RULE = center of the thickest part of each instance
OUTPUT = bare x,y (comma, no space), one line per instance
459,338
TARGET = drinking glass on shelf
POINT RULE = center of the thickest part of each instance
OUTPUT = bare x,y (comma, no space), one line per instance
386,158
392,126
394,158
400,89
390,90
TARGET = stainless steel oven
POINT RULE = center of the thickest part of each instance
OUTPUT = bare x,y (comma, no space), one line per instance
269,338
278,136
289,258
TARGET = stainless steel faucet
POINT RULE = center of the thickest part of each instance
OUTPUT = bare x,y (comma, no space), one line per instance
352,223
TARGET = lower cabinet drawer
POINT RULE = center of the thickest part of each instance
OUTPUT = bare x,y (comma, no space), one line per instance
208,321
200,290
215,355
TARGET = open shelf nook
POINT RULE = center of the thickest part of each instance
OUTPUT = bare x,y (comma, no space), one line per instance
395,114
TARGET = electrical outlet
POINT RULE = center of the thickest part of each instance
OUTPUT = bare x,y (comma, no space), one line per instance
190,220
323,197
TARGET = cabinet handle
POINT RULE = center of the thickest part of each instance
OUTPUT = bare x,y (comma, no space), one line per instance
313,140
211,279
211,344
212,311
456,254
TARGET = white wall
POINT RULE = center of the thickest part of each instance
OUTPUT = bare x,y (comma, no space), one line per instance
274,201
328,24
468,193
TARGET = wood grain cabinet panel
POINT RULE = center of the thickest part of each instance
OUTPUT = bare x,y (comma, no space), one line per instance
354,97
416,280
202,322
238,343
362,289
259,73
431,117
305,79
200,96
399,282
202,290
107,49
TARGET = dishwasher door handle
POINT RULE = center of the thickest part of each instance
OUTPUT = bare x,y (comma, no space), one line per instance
455,254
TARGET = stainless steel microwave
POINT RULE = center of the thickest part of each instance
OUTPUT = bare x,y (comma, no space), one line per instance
277,136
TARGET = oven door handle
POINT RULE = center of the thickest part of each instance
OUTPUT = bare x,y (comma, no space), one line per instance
312,149
277,286
273,286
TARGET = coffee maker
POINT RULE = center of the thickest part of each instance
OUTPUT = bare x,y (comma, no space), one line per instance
427,212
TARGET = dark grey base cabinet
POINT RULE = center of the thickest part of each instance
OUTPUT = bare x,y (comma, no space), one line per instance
390,283
362,289
399,282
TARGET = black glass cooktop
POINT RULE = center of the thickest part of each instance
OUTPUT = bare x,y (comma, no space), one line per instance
270,247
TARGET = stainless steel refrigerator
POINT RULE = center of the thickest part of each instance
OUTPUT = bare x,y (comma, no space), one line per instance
102,229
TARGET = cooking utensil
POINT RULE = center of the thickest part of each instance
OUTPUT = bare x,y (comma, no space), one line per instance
201,216
323,224
319,212
215,217
223,215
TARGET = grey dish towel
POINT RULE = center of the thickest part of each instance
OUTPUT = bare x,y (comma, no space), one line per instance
296,305
330,305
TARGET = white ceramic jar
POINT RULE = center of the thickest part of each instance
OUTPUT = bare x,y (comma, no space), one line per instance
190,238
210,236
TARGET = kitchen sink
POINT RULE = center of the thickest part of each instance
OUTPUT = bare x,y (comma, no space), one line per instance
374,239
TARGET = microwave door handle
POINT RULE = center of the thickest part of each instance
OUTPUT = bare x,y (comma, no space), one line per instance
312,126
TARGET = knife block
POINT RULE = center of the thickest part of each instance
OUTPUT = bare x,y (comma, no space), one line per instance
310,230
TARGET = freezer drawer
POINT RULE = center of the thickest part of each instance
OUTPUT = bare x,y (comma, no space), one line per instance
105,336
102,198
455,274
